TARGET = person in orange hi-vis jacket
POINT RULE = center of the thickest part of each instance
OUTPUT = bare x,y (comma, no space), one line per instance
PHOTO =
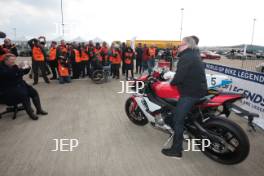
115,59
52,60
63,69
38,60
84,61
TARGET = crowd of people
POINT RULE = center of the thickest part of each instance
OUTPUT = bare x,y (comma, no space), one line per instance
72,61
67,61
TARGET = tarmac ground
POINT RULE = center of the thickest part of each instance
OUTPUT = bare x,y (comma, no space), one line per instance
109,144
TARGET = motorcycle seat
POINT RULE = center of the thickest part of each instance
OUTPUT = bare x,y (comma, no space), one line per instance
171,101
203,99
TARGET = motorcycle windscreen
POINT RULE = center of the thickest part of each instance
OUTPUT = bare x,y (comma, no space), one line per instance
165,90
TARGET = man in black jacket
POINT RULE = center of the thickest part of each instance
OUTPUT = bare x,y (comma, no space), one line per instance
191,81
14,89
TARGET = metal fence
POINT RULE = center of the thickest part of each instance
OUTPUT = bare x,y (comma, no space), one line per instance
250,64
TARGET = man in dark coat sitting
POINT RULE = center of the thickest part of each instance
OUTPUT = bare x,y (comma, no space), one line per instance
14,89
190,80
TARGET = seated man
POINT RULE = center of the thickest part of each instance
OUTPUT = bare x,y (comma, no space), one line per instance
14,89
190,79
96,63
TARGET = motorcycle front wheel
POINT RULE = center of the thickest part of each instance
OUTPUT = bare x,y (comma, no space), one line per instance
134,113
235,148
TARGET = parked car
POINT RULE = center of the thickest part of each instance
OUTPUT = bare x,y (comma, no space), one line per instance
260,55
260,67
210,55
24,53
235,55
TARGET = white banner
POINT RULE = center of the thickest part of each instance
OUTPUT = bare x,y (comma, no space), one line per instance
132,43
253,89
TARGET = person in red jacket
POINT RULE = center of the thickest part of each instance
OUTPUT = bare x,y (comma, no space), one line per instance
105,54
129,62
98,51
145,58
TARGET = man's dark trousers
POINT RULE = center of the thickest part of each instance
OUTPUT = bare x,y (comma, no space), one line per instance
36,65
183,107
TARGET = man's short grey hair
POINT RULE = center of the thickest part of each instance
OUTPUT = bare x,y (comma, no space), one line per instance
190,42
7,56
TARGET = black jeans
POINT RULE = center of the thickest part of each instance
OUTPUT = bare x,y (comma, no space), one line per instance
132,73
123,67
54,68
85,68
139,68
76,70
116,68
22,93
183,107
36,65
82,69
19,93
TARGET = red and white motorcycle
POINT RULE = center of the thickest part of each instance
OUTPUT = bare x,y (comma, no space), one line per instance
229,144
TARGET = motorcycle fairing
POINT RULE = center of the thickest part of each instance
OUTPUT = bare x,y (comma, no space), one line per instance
165,90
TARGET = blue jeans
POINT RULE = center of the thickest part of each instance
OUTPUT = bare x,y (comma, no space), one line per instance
183,107
151,64
64,79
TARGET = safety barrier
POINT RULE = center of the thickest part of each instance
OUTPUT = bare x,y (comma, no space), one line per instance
247,82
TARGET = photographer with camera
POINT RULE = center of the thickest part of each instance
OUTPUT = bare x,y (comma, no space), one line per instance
38,59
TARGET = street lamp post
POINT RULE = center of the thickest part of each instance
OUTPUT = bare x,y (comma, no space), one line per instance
251,44
14,33
181,22
253,31
62,23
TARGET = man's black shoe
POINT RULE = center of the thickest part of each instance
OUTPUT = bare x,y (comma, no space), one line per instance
42,112
171,153
53,78
33,116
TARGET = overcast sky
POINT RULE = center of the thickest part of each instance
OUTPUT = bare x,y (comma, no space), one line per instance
215,22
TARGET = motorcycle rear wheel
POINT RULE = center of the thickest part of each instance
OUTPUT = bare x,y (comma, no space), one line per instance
237,140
